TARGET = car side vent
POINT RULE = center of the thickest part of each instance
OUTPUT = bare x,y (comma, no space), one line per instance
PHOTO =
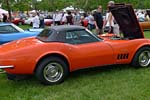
122,56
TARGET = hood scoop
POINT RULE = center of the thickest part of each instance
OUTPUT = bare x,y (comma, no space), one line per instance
126,19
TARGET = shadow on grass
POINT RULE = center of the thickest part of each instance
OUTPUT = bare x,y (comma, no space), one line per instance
82,73
100,70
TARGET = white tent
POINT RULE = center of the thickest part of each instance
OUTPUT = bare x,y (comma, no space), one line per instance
3,11
68,8
32,11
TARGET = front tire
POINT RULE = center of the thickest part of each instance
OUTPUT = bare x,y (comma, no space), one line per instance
51,70
142,58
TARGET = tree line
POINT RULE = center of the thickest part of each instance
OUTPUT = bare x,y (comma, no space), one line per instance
52,5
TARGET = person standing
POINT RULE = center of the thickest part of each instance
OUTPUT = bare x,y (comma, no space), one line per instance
91,24
4,18
41,17
110,22
77,18
98,20
69,18
64,20
57,17
35,21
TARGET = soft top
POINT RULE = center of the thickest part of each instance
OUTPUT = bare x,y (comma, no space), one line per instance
67,27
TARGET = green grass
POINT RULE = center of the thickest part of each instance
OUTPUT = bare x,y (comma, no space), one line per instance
118,82
113,83
25,27
147,34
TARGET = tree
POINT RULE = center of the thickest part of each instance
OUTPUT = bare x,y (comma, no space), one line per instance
9,10
52,5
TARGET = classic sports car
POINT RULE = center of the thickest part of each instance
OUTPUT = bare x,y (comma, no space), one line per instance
145,25
58,50
18,21
10,32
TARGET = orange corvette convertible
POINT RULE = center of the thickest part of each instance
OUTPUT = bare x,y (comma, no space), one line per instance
58,50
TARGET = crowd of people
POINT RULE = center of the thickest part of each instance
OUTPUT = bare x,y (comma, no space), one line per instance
93,20
142,15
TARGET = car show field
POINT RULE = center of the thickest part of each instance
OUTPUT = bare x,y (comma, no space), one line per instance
121,82
72,62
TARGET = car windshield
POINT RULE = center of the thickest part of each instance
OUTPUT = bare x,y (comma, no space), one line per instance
10,28
44,35
94,34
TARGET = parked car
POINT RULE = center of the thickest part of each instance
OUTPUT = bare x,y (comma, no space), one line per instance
145,25
10,32
48,22
18,21
58,50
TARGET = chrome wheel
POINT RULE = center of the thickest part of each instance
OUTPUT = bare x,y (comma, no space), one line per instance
144,58
53,72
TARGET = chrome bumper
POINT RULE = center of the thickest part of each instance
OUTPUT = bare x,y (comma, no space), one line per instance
9,66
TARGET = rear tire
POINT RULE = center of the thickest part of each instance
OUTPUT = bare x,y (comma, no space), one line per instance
52,70
142,58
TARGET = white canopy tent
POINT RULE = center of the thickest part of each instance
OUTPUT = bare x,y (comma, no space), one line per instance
2,11
70,8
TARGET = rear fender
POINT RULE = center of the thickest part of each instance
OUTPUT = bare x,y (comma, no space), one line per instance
59,54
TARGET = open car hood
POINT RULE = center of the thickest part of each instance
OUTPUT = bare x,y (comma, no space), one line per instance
127,20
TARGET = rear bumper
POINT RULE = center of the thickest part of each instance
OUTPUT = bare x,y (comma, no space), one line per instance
9,66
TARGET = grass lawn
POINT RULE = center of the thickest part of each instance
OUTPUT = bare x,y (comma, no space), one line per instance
25,27
118,82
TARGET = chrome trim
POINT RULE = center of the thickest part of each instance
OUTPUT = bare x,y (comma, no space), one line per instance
9,66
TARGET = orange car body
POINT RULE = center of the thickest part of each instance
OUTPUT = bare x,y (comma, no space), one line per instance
78,56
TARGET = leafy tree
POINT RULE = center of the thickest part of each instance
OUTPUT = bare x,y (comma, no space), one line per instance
51,5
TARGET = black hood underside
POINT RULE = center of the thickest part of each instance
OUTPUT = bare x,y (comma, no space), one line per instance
127,20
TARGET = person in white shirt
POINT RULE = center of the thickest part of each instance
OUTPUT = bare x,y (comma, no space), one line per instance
57,17
64,20
141,16
35,21
110,23
77,17
91,24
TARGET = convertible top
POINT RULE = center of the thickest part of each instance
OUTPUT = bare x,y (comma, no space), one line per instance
66,27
